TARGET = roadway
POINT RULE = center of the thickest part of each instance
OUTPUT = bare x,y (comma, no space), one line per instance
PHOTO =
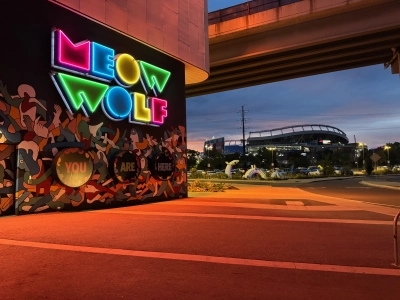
258,242
352,188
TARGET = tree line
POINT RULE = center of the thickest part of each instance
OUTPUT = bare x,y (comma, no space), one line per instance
327,159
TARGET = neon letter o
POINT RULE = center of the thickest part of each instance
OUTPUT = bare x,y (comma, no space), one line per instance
117,103
127,70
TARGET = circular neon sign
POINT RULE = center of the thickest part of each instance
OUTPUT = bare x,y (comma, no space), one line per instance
126,167
163,165
73,167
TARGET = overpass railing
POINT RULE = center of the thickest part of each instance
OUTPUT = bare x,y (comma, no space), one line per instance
245,9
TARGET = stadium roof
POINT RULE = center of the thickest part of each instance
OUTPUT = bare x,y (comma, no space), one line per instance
298,130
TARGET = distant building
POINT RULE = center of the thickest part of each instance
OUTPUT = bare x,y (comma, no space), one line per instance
222,146
305,139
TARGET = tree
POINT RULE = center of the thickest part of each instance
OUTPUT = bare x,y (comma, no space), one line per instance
264,157
327,163
340,158
192,157
298,160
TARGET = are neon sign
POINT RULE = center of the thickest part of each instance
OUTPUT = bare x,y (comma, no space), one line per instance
99,66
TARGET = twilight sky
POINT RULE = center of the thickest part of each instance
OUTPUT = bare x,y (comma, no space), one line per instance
364,102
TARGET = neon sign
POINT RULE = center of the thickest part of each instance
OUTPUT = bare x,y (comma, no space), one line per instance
99,66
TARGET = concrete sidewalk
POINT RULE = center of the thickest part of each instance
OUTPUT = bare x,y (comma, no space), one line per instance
366,181
382,184
277,182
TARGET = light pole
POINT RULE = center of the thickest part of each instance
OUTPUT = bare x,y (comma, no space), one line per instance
387,148
362,145
272,157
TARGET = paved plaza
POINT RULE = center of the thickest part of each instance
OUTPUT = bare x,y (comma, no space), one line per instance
258,242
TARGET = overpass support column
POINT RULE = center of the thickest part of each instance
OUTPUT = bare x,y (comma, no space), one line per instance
394,63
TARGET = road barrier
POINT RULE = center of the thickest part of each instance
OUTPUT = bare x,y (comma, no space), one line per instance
396,251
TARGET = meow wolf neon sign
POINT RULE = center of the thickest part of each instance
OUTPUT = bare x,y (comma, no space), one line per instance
100,66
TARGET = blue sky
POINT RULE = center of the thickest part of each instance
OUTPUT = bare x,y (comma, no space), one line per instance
364,102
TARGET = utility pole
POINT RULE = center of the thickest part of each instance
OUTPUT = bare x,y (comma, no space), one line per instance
243,127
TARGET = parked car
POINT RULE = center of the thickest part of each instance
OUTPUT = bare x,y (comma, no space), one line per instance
303,170
347,172
297,170
314,172
278,174
338,170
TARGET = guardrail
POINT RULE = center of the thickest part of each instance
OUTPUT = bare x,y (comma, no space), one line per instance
245,9
396,245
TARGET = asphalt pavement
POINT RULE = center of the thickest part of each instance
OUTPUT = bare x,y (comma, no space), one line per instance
314,240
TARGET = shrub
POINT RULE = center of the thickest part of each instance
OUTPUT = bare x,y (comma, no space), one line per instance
198,186
237,175
195,175
300,176
382,172
219,176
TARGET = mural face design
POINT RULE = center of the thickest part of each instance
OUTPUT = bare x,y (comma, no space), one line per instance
39,131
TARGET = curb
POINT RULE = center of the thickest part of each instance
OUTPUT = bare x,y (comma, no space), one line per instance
273,182
380,185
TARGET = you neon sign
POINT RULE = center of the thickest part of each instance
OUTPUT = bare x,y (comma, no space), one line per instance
99,66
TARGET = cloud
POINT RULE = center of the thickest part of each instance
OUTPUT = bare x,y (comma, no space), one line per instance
362,102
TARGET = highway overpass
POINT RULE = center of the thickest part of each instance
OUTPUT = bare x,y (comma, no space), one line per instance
304,38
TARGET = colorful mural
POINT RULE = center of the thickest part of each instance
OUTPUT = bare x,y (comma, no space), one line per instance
7,175
41,132
89,117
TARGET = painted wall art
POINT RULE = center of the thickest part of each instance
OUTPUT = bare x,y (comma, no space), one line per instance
89,117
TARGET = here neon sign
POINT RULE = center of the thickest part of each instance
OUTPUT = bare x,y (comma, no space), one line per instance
99,66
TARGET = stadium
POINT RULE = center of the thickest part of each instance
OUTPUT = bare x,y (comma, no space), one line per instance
297,137
307,139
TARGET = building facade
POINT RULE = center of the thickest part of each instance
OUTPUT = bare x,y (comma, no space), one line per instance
306,139
92,101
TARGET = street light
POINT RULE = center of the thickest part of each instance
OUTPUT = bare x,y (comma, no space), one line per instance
362,145
387,148
272,157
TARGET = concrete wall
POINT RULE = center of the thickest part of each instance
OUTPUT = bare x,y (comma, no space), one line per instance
176,27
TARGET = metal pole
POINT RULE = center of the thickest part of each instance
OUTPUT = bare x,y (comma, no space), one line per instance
244,139
388,157
363,159
396,252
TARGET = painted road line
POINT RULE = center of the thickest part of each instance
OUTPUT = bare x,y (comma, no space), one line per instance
258,206
207,259
381,204
291,202
242,217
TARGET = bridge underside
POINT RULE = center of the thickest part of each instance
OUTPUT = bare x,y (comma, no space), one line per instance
234,64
